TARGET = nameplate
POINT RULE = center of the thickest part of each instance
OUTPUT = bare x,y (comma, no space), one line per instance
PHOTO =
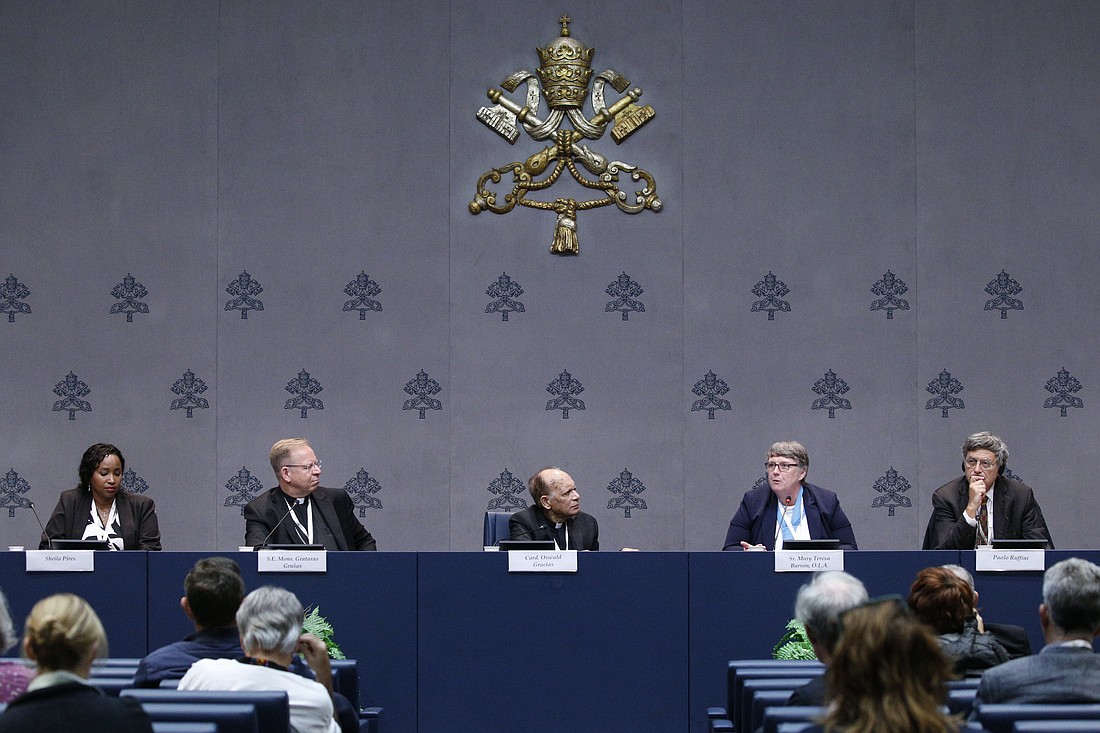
1000,560
548,561
291,561
808,561
60,561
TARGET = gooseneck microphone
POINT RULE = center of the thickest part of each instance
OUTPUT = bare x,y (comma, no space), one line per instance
524,532
779,524
281,519
49,540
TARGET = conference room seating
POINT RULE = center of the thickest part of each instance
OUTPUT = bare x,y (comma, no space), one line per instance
774,717
752,688
764,700
1003,717
172,727
229,717
496,528
739,671
1056,726
272,708
960,701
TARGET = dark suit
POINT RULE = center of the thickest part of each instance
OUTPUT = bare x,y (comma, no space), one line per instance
73,707
137,519
533,524
333,506
1016,515
1013,639
1057,674
755,519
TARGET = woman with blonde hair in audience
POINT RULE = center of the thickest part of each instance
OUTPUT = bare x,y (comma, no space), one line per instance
887,674
63,636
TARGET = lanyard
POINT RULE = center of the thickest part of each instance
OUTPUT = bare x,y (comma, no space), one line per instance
306,533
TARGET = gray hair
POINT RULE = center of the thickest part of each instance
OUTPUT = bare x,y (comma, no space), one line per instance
270,620
280,452
8,637
790,449
990,442
962,573
1071,592
821,601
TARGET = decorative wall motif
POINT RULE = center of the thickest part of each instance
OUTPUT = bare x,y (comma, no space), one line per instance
422,387
304,387
129,292
505,291
244,291
1062,385
362,488
624,290
133,483
771,290
11,490
710,388
627,487
71,390
12,293
189,387
566,389
508,489
243,488
944,387
889,289
891,486
564,73
1002,288
831,387
362,289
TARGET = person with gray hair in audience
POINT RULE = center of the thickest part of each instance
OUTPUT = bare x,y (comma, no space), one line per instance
1013,638
1066,670
270,623
818,606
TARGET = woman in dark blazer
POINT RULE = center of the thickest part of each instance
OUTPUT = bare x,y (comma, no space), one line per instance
62,637
98,508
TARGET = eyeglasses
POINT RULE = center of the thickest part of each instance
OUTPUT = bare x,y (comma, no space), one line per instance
985,463
307,466
783,467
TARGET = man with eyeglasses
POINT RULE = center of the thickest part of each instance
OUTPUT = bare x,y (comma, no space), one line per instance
983,503
299,511
788,507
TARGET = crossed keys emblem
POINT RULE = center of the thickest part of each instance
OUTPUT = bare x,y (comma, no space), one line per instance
563,79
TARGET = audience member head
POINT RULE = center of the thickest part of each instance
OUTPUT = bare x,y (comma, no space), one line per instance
555,491
821,601
64,633
213,590
8,637
1071,600
941,599
270,622
888,673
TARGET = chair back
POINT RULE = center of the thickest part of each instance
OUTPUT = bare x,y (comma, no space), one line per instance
496,528
1056,726
272,707
1001,717
234,718
774,717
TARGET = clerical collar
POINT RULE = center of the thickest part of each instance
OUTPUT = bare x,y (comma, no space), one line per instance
294,499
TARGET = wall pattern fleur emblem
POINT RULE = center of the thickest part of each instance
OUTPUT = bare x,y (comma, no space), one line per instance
508,490
1062,385
12,293
304,388
889,289
710,388
129,293
72,392
830,387
771,290
565,390
1003,289
562,79
624,290
243,488
627,487
504,291
189,387
244,291
362,488
890,487
11,489
944,387
362,291
422,389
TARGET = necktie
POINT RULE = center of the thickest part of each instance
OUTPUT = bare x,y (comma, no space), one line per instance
982,536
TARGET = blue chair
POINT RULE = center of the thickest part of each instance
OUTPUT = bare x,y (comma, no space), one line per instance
112,685
1056,726
739,670
345,679
272,708
754,686
764,700
496,528
795,727
774,717
960,701
235,718
1001,717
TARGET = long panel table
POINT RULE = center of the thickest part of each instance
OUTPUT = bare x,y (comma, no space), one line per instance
452,642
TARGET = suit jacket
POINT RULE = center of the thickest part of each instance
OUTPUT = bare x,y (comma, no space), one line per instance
73,707
264,513
1013,638
137,519
1016,515
1057,674
533,524
754,521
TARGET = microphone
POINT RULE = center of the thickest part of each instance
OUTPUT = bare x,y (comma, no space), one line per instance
264,543
49,542
779,525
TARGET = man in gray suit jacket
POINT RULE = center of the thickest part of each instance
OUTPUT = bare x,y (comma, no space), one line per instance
1066,670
